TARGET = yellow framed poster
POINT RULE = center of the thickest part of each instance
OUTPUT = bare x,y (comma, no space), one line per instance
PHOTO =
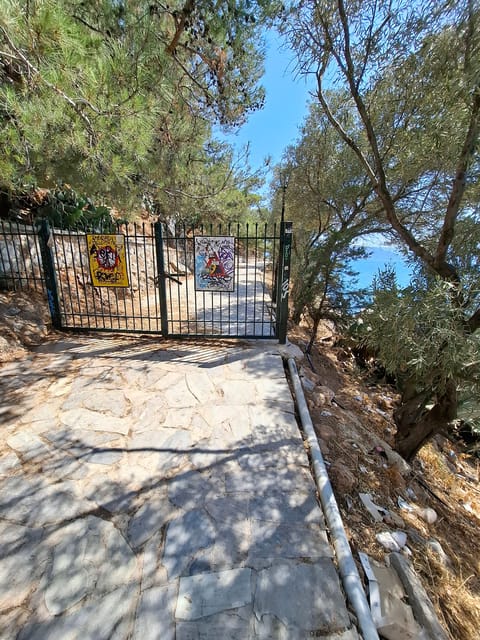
107,260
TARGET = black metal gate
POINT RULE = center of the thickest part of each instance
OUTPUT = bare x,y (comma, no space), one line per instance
172,287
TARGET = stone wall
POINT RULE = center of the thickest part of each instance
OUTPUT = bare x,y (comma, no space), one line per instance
20,259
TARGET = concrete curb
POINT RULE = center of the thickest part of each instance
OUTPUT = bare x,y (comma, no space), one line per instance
348,570
418,599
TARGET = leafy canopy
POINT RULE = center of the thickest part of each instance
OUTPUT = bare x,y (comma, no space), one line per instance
117,98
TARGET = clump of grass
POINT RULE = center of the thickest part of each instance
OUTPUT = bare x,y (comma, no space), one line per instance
456,604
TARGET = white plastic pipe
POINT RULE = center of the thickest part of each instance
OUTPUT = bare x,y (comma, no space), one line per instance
346,564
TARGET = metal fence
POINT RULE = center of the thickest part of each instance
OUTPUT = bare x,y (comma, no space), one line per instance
249,309
173,288
20,258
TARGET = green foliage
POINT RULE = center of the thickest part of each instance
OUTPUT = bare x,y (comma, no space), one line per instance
420,335
65,209
331,206
408,74
469,411
117,98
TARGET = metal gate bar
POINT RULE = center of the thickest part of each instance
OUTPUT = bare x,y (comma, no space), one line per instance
86,307
164,294
248,311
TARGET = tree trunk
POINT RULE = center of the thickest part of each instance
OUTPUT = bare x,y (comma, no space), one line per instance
316,322
416,425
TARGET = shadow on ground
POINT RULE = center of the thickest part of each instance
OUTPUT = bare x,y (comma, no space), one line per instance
146,504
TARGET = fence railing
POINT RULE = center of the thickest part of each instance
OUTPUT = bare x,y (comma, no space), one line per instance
214,280
20,258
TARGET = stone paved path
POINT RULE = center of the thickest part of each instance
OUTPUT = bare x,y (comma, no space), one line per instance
151,493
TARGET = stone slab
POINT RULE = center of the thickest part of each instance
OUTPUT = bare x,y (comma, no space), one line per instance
9,462
20,563
417,597
94,421
185,536
191,490
108,617
154,618
288,541
33,501
201,387
89,555
278,454
268,365
205,594
109,401
285,479
150,518
28,445
236,624
303,596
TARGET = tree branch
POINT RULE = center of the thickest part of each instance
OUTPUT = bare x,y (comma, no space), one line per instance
180,25
376,174
459,182
73,103
473,323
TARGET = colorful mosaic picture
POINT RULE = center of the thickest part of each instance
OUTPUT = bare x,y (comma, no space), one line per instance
108,265
214,263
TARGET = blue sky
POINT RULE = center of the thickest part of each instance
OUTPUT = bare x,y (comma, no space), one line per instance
272,129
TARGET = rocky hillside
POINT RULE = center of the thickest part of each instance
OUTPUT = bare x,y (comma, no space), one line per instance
24,322
429,511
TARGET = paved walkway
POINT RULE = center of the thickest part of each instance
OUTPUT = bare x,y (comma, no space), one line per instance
150,493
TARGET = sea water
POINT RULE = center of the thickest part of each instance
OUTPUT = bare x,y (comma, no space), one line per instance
379,258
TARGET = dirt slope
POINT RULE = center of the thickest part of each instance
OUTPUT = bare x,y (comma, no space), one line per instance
436,501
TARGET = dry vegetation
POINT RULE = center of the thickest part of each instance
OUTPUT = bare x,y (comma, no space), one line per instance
355,429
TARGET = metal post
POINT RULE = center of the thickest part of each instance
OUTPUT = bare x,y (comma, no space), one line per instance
162,289
45,238
282,300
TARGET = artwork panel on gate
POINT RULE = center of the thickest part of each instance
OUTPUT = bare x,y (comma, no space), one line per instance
107,260
214,263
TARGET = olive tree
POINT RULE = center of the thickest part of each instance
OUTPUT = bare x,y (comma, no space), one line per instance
410,75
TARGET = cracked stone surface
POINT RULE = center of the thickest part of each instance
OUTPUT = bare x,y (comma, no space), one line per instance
150,493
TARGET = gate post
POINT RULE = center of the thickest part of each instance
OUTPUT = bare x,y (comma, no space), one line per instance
284,280
161,278
45,238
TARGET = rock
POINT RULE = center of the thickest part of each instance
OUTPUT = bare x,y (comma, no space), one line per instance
321,396
343,480
370,506
394,458
308,385
427,514
392,541
393,519
325,432
437,548
326,392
